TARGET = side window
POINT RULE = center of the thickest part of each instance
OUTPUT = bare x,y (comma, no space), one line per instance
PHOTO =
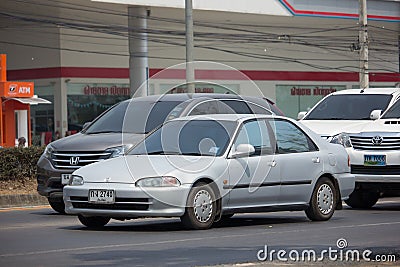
256,134
208,107
290,139
256,109
239,107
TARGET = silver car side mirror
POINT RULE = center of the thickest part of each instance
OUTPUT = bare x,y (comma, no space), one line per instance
243,150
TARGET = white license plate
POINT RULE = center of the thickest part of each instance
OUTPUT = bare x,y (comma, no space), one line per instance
374,160
103,196
65,178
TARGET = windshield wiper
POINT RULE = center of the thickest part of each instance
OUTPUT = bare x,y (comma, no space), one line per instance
194,154
99,132
162,152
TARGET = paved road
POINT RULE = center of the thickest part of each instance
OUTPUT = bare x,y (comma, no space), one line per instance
40,237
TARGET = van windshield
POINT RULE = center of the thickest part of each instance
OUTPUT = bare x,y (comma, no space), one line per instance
138,117
348,107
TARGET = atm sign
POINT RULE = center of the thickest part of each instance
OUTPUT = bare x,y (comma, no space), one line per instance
16,89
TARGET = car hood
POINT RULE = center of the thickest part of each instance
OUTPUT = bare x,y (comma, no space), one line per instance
95,142
327,128
129,169
381,126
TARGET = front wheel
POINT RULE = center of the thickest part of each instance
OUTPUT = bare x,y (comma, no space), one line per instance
201,208
362,200
323,201
57,204
93,222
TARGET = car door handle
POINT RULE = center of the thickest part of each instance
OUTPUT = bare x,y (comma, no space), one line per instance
316,160
272,163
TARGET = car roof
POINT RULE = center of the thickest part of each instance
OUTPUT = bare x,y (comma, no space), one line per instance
385,91
227,117
185,96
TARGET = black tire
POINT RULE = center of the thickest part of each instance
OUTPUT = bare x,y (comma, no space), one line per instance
362,200
57,205
323,201
200,208
94,222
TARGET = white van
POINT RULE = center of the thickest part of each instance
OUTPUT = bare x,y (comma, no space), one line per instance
347,117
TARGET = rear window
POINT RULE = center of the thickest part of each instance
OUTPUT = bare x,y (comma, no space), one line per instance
348,107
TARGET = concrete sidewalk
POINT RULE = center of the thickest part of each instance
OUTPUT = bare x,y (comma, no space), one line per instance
13,201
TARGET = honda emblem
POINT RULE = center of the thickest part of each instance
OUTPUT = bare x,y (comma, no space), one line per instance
74,161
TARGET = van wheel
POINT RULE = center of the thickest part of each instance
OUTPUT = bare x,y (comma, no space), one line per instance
57,205
362,200
200,208
323,201
94,222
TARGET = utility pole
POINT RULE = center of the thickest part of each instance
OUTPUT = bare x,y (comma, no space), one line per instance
189,46
363,39
138,52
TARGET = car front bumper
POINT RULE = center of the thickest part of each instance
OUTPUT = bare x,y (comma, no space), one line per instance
389,173
130,201
49,178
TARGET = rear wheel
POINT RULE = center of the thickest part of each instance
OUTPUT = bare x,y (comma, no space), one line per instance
362,200
57,205
323,201
201,208
93,222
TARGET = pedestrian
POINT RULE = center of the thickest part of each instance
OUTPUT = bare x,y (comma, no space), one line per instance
21,141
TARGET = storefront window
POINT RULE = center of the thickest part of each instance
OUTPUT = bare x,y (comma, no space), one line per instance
200,88
87,101
42,116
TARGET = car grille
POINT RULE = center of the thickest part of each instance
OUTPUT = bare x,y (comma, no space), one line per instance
75,160
365,143
376,170
120,204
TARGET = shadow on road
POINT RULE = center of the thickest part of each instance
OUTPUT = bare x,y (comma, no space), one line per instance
167,224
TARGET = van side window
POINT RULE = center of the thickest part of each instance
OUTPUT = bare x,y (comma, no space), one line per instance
256,109
238,107
208,107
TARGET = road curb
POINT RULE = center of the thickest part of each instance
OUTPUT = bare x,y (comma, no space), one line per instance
13,201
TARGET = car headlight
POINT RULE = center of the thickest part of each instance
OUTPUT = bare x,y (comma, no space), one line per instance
76,180
48,151
118,150
342,139
164,181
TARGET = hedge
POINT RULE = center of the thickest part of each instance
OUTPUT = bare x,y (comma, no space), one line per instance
19,163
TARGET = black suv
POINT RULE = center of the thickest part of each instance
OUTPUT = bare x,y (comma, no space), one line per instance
122,126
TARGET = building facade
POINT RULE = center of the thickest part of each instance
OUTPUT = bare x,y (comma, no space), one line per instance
294,52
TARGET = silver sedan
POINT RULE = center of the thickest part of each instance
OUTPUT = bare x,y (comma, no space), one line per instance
206,168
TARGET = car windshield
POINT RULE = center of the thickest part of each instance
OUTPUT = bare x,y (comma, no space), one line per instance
191,138
134,116
393,112
348,107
